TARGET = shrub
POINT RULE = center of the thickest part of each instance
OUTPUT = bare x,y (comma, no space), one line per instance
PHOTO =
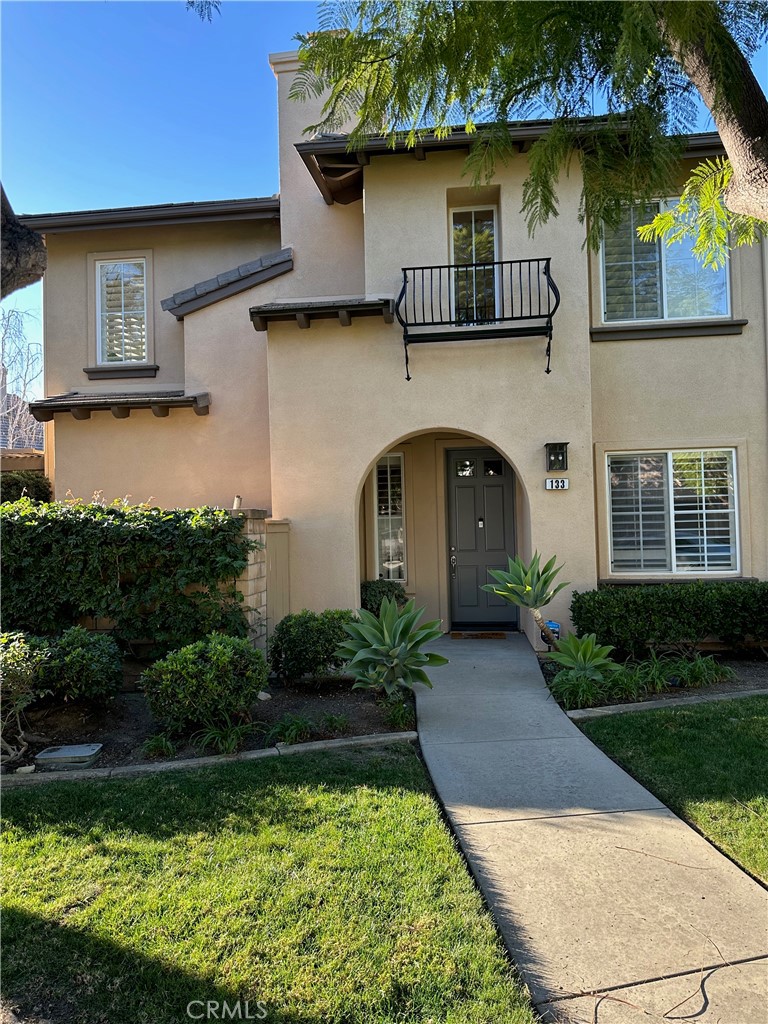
84,665
305,643
673,614
574,689
225,737
384,652
162,575
205,683
22,659
373,592
25,483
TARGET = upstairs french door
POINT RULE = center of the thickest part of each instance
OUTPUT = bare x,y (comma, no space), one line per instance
473,242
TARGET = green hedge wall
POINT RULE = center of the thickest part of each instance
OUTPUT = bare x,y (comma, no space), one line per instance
25,482
134,565
630,618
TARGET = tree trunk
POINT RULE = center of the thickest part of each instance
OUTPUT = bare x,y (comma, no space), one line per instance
740,111
546,632
24,257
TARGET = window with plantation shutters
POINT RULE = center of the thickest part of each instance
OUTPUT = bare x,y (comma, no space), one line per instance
673,512
390,519
652,281
121,310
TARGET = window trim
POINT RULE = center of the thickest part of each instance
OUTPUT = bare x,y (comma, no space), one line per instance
377,566
94,260
664,319
674,573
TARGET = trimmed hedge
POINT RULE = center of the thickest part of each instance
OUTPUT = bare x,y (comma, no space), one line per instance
25,483
78,664
206,683
373,592
305,643
164,576
673,614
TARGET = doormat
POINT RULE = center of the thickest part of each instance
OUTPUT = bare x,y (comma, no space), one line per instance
458,635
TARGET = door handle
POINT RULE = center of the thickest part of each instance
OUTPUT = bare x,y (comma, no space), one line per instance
453,567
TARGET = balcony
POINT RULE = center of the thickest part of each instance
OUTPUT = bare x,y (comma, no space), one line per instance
469,301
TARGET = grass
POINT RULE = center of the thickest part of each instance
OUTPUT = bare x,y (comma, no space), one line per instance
709,763
327,887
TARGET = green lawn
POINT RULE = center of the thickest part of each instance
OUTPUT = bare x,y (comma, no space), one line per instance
709,763
324,886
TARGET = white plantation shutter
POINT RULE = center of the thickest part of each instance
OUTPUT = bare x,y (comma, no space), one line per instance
651,281
390,521
673,512
122,311
632,269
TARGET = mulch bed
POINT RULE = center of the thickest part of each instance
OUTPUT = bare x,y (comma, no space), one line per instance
124,723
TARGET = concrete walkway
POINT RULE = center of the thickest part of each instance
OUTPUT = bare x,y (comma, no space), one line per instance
614,909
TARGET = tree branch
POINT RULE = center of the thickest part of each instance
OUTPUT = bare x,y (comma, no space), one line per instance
24,257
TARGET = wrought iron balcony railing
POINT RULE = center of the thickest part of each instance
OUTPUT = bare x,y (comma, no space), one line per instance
461,302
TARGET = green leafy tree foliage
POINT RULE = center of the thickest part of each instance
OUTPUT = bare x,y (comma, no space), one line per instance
399,68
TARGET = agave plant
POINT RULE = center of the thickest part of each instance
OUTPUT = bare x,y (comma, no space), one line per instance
383,651
584,655
528,586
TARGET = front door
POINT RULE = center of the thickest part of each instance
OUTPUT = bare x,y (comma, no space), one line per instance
481,501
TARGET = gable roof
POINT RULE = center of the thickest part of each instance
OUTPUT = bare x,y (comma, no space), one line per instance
265,208
230,282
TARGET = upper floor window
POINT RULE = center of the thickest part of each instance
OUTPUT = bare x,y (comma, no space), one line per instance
673,511
473,242
121,310
653,281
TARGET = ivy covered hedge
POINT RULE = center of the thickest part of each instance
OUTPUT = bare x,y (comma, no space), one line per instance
673,614
164,576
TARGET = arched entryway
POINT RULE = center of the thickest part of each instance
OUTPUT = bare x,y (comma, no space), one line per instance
436,510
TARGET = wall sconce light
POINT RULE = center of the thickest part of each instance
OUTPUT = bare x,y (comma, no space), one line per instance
557,456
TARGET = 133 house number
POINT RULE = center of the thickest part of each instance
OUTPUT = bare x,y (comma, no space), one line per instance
557,483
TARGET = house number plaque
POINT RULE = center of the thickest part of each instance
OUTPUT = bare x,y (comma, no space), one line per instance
557,483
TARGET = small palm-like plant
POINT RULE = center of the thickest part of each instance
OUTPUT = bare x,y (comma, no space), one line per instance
584,655
383,652
528,586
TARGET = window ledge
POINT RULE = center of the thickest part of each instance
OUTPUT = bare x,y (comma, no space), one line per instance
667,329
120,371
655,581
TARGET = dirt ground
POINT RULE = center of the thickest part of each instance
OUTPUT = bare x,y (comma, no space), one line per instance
124,723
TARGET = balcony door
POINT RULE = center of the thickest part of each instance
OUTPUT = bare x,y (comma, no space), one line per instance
481,533
474,241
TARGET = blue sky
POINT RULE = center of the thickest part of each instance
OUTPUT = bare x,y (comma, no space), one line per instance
104,104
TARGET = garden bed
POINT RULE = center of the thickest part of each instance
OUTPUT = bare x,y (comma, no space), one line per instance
750,673
124,724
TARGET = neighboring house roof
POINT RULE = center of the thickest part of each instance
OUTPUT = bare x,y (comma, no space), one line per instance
264,208
338,172
230,282
81,405
305,311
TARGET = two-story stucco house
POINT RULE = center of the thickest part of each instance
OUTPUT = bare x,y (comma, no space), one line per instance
367,358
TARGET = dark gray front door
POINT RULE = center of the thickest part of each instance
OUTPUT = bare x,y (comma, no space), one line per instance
481,501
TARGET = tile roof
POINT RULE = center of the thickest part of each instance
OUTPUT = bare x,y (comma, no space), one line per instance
230,282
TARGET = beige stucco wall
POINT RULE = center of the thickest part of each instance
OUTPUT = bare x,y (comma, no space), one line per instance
327,240
692,392
181,459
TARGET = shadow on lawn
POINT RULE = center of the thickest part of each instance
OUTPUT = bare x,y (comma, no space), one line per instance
53,972
240,795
